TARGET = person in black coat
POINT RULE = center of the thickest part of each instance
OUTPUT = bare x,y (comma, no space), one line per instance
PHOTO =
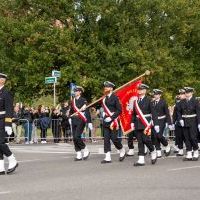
6,115
179,136
138,124
56,124
188,115
161,119
112,110
80,116
44,122
65,122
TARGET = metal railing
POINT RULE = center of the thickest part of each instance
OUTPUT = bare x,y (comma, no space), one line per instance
55,130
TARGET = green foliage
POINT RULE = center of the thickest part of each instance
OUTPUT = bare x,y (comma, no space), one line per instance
99,40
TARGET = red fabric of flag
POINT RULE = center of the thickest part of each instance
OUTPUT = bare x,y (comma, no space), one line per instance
126,96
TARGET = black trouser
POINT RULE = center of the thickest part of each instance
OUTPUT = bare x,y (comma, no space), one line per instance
56,130
143,140
4,149
159,138
190,135
43,134
130,140
78,126
111,135
66,133
179,136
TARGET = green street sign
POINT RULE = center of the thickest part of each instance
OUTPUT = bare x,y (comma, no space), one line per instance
56,73
50,80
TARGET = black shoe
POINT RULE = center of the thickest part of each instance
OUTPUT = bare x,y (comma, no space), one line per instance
138,164
12,169
153,162
78,159
175,151
85,158
187,159
3,173
159,156
122,158
127,155
195,159
105,162
179,155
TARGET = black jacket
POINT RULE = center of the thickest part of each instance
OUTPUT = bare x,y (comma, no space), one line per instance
190,107
80,102
114,106
146,108
6,104
159,111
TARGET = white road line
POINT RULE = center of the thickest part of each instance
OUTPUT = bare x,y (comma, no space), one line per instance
184,168
25,161
5,192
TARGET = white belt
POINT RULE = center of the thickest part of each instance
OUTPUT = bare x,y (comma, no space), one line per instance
2,112
189,116
162,117
147,115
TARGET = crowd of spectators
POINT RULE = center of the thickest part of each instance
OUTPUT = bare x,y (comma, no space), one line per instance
33,125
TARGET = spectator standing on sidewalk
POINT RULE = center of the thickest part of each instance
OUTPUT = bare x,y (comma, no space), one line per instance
65,122
27,117
56,125
44,122
16,125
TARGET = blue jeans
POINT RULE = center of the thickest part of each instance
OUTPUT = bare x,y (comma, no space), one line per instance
28,131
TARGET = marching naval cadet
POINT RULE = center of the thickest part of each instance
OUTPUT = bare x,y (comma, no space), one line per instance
188,115
78,121
142,124
6,114
130,140
112,110
179,136
161,119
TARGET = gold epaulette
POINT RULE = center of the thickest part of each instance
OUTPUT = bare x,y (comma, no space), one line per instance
9,120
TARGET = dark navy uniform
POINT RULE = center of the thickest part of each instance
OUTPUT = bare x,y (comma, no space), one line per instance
179,136
189,112
78,124
146,108
161,117
113,104
6,114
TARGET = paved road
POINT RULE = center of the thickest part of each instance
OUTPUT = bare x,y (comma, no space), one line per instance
48,172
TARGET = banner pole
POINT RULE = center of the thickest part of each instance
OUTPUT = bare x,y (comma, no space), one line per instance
147,73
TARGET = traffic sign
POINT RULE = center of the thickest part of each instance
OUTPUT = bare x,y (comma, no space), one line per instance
56,73
50,80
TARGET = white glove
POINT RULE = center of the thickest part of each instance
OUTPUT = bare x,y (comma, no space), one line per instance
90,126
8,130
70,121
133,126
157,128
181,123
107,119
172,127
199,127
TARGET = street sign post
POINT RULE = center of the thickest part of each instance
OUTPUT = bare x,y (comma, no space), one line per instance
52,80
56,73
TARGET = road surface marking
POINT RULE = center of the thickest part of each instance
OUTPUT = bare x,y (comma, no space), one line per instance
184,168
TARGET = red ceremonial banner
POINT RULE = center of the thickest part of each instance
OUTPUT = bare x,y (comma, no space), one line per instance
126,96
